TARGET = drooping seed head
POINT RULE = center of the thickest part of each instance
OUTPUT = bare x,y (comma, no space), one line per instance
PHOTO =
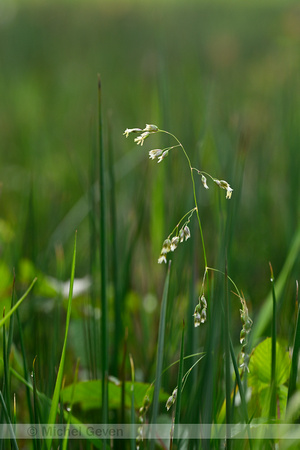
140,139
155,153
174,243
204,181
151,128
131,130
187,233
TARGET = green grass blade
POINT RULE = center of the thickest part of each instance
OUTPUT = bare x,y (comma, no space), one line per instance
74,421
6,351
55,399
11,323
179,391
132,411
272,412
241,391
36,409
5,389
296,348
266,310
91,323
227,360
118,331
160,352
103,264
16,306
6,415
25,369
65,441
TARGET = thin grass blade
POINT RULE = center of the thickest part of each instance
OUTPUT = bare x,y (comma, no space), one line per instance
227,360
103,266
160,352
265,314
272,412
82,428
118,331
132,412
36,409
296,348
25,369
16,306
179,391
241,391
55,399
7,418
5,388
65,441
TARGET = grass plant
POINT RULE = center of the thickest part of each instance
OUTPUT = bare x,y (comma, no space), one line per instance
122,356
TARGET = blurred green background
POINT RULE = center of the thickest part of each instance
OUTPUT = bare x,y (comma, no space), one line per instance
222,76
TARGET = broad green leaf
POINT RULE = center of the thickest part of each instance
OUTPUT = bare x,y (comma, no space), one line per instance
88,394
259,378
281,399
260,365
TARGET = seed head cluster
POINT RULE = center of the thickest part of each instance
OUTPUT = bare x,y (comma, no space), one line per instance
169,245
247,324
200,311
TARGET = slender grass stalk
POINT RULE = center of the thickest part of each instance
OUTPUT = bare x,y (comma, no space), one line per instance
16,306
11,322
65,441
266,310
296,348
241,391
272,412
160,352
84,431
36,409
103,264
6,388
132,411
227,359
56,394
118,331
26,373
91,325
15,413
123,376
179,392
7,418
194,193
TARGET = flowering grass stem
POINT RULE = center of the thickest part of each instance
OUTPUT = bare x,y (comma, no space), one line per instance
194,192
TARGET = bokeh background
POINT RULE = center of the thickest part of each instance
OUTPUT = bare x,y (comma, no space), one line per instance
222,76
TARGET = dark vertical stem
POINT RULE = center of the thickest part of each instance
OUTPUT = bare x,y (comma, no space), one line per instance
104,334
273,362
91,325
160,353
115,266
227,360
179,389
296,348
5,389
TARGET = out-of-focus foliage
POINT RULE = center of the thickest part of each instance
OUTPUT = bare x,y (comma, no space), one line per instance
223,77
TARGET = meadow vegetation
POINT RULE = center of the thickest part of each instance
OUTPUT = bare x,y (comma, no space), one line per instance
222,81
